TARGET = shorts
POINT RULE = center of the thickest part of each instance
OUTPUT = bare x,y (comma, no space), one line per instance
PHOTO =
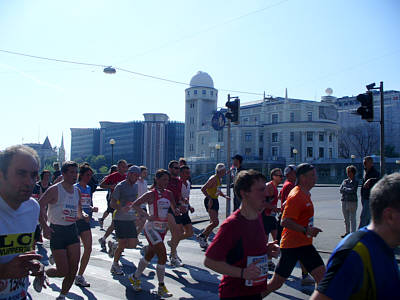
110,210
215,204
178,220
270,223
63,236
82,226
153,236
125,229
37,232
184,219
307,255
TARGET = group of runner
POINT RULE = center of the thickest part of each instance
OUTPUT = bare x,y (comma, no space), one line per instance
240,250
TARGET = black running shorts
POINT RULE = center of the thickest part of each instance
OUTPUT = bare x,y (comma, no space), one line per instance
125,229
215,204
82,226
63,236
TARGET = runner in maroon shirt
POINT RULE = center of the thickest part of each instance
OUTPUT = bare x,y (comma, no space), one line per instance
242,257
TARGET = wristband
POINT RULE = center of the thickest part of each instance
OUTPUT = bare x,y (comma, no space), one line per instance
241,273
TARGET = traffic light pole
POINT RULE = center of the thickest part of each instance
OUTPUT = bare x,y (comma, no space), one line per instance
228,164
382,131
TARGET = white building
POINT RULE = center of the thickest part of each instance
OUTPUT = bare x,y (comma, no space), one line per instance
271,130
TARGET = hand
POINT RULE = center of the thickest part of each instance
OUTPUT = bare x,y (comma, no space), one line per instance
47,231
252,271
313,231
95,209
273,249
21,265
191,209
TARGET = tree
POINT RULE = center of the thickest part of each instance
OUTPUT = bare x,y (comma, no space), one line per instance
360,141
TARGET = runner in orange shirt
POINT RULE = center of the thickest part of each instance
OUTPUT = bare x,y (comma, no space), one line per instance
298,232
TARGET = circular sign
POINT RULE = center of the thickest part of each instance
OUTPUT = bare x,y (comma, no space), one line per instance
218,121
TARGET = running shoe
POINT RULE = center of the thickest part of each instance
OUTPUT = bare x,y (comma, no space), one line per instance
271,266
307,280
163,291
101,223
202,241
102,243
80,281
175,262
61,297
136,284
38,282
116,270
51,259
111,248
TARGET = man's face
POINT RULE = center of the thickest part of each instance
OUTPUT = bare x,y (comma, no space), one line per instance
46,177
185,174
17,184
132,177
310,178
277,177
143,175
256,196
291,176
174,170
122,167
367,164
71,175
236,163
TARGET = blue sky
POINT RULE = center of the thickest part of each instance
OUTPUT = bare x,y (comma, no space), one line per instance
253,46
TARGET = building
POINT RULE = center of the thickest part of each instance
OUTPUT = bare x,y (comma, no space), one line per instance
46,152
272,131
360,138
152,142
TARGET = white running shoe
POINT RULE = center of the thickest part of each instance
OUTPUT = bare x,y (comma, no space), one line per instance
175,262
116,270
163,291
111,248
80,281
136,284
51,259
202,241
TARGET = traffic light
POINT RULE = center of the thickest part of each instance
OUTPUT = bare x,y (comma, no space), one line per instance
366,110
233,110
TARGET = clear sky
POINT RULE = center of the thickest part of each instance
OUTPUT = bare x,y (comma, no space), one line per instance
253,46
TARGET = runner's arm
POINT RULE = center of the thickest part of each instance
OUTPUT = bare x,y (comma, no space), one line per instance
147,197
209,184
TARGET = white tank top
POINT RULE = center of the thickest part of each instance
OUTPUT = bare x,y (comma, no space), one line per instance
65,210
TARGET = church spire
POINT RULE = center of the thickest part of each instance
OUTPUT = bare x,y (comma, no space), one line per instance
61,151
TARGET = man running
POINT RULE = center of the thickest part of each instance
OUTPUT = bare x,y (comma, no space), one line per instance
109,182
19,214
64,208
142,189
109,209
125,193
298,231
185,227
237,165
271,208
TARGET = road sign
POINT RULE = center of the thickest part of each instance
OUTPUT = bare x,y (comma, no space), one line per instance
218,121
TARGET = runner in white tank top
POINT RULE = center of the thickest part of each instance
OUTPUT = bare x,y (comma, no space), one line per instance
159,200
64,208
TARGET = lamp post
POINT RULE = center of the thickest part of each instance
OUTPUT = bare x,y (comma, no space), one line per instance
217,147
352,158
112,143
295,155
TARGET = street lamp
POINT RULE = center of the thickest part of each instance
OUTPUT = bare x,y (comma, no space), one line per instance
112,143
295,155
217,147
352,158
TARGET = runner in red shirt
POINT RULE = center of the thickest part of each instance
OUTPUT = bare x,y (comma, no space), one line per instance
242,257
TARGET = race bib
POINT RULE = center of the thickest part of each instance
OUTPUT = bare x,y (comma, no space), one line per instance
70,209
160,226
262,265
86,200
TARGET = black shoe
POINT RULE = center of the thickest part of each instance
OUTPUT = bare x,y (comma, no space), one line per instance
344,235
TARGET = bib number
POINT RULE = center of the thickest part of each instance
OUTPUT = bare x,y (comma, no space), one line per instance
262,265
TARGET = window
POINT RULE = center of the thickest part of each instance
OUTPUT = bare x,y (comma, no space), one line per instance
274,151
310,152
309,136
330,152
203,92
321,136
191,147
309,116
211,93
291,151
261,137
321,152
292,136
191,134
330,138
188,93
274,118
247,136
245,120
292,117
260,153
274,137
247,151
202,140
195,92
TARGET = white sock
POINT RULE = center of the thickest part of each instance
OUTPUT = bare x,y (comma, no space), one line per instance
142,265
160,269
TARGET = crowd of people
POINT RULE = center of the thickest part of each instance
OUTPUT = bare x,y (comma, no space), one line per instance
59,207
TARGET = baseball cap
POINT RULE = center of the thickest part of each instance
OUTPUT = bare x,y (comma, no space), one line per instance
303,168
238,157
289,169
134,169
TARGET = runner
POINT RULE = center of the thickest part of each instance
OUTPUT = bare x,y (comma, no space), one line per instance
174,221
142,188
56,173
298,223
290,183
109,182
64,208
237,166
160,201
125,193
271,209
239,250
185,227
212,189
109,209
84,231
19,213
